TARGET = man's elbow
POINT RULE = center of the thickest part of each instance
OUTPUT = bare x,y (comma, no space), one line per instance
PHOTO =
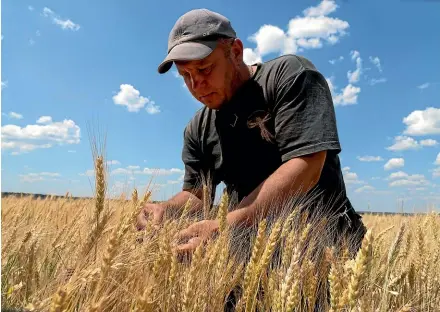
314,164
317,164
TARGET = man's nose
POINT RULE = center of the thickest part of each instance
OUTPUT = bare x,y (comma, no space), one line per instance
196,82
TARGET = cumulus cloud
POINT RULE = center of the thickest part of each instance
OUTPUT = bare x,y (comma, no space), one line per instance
113,162
403,179
394,163
34,177
311,31
135,170
350,177
354,77
403,143
398,175
376,61
63,23
31,137
131,98
4,84
349,95
428,142
437,160
333,61
369,158
250,57
364,189
44,120
423,122
374,81
13,115
424,85
88,173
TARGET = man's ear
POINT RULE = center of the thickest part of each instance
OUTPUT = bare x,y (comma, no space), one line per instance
237,49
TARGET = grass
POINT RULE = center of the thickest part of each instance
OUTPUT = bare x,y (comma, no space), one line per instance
64,254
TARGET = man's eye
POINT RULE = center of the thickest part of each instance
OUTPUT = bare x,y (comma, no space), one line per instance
205,70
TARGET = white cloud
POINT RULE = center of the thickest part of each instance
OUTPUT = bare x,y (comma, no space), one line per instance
30,137
71,151
375,81
424,86
394,163
269,39
354,77
348,96
397,175
423,122
324,8
135,170
30,8
428,142
88,173
376,62
44,120
350,177
13,115
63,23
34,177
152,108
22,147
336,60
437,160
113,162
436,172
130,97
370,158
402,143
310,31
409,180
4,84
31,42
250,57
365,188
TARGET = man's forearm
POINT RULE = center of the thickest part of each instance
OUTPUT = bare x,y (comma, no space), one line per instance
296,176
176,203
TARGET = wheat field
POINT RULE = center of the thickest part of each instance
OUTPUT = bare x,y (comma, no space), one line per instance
66,254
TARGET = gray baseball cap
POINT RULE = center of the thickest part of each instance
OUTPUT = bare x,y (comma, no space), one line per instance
194,35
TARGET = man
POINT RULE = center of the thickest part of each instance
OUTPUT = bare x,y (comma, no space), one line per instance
266,130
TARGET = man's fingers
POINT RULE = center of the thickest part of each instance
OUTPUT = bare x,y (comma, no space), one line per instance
185,233
191,245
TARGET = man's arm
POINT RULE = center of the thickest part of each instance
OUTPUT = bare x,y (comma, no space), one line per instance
175,204
297,176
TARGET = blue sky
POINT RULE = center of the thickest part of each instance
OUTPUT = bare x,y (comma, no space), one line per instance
70,66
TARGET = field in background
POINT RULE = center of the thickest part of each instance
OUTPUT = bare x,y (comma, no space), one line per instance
54,255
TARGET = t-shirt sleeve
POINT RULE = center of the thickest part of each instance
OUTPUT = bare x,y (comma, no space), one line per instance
192,160
304,120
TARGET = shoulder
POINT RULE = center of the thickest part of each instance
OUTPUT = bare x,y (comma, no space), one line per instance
286,67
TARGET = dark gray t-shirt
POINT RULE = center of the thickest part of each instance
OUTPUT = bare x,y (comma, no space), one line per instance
292,100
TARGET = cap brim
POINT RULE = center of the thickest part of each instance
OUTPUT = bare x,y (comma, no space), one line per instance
187,51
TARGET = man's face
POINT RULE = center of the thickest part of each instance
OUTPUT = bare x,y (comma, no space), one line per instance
212,80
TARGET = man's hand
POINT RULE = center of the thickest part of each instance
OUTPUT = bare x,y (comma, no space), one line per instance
151,211
195,234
